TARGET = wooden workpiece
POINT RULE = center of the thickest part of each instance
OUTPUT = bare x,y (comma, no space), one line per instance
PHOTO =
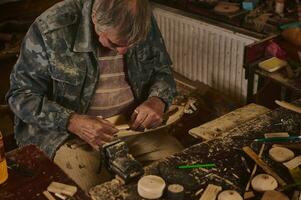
263,165
229,195
225,152
151,187
281,154
211,192
264,182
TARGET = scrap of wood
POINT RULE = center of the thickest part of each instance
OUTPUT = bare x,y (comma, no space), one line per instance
61,188
273,135
255,168
288,106
48,195
211,192
249,195
263,165
292,164
60,196
217,127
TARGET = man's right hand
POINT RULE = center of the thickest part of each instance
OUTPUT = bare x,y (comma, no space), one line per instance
93,130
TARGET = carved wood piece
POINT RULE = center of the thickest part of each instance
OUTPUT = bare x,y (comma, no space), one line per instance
151,187
264,182
281,154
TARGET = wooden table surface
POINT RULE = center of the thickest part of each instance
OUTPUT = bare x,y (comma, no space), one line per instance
21,186
225,152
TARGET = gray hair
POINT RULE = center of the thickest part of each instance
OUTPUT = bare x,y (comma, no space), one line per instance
132,18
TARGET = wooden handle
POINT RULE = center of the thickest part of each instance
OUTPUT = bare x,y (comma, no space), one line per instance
288,106
263,165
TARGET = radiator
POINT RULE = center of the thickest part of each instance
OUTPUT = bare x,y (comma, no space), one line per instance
204,52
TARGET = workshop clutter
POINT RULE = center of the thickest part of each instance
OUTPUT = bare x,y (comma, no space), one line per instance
282,56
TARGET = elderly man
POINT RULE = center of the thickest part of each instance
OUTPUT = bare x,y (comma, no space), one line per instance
82,59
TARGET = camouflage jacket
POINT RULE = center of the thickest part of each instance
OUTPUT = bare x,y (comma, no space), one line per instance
57,72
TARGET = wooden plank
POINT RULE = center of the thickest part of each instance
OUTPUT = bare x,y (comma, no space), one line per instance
61,188
289,106
217,127
211,192
263,165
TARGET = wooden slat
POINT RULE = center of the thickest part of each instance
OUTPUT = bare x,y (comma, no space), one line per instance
263,165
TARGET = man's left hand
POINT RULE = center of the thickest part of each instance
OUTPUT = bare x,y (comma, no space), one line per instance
149,114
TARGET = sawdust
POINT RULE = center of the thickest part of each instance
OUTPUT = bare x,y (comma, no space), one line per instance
225,152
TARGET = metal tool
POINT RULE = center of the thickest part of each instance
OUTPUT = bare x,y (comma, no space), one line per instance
117,160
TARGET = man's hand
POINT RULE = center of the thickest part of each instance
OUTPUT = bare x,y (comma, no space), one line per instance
149,114
93,130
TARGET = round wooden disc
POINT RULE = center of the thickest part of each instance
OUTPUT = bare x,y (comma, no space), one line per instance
226,9
151,187
175,192
281,154
274,195
264,182
229,195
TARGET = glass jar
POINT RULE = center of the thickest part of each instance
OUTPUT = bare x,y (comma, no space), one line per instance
3,164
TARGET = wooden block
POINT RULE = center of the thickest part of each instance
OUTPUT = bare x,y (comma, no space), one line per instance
274,195
175,192
61,188
151,187
217,127
60,196
249,195
211,192
273,135
48,195
263,165
293,163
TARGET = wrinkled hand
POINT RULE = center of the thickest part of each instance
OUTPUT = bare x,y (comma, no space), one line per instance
149,114
93,130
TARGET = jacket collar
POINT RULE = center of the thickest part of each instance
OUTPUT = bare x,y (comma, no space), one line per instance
84,39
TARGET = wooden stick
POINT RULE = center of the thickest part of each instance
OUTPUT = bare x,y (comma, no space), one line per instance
48,195
263,165
288,106
255,168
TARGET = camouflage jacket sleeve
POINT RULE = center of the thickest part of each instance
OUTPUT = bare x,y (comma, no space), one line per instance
30,82
162,83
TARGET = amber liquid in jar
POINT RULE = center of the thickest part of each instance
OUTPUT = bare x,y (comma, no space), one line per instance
3,164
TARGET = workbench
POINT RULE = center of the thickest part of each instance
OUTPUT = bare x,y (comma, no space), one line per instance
225,152
35,172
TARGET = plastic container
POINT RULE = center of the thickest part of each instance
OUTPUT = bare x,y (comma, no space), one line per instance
3,164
